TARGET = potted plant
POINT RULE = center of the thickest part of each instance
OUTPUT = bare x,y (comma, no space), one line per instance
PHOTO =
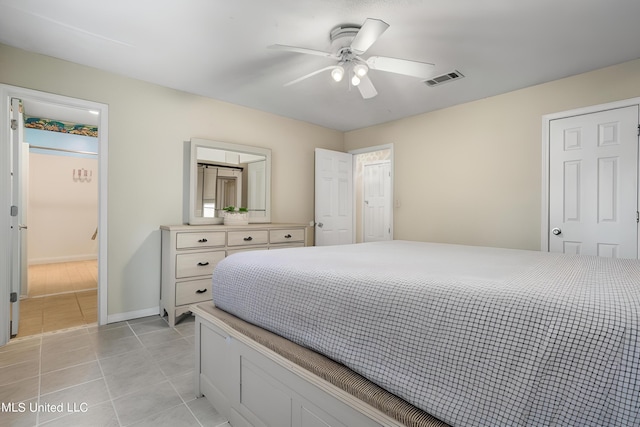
236,216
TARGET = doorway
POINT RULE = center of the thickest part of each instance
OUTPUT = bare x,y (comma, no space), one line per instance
346,186
373,193
57,106
60,179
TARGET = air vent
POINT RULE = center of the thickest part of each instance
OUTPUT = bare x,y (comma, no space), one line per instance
454,75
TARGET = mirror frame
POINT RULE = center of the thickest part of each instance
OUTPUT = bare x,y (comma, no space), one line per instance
191,181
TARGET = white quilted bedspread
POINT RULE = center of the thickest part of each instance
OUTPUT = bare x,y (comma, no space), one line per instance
474,336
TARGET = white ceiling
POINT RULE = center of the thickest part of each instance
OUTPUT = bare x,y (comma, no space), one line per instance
46,110
218,48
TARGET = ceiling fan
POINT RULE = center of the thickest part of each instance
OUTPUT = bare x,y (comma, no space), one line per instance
350,42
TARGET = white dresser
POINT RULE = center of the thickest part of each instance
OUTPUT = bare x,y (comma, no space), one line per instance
191,252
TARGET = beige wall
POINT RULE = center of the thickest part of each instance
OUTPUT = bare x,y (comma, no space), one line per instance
471,174
147,125
468,174
63,211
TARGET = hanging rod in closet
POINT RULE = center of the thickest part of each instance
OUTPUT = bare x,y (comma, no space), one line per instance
63,149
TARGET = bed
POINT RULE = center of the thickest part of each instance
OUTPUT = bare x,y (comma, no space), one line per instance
469,336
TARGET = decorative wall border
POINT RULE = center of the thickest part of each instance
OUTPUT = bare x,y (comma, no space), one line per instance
60,126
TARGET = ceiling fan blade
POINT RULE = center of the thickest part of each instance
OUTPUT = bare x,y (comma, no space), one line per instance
301,50
368,34
366,88
306,76
400,66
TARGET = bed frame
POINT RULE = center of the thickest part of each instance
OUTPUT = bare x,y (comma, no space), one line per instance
255,378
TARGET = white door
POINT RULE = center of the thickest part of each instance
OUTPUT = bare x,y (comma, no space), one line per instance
24,204
377,201
593,184
256,182
333,198
18,214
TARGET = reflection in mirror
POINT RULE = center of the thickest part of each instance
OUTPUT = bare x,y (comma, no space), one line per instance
219,174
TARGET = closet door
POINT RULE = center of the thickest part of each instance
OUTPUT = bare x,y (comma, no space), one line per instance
593,184
377,202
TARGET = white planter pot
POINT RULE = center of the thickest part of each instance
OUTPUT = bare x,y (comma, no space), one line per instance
236,218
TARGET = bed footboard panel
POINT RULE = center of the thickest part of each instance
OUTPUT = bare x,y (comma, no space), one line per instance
250,386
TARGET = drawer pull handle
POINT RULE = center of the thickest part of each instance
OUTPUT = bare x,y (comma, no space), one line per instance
202,241
287,236
248,239
201,291
202,264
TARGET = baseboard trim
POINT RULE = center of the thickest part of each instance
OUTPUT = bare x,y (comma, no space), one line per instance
121,317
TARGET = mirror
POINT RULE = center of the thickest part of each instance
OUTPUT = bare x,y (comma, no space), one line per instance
220,174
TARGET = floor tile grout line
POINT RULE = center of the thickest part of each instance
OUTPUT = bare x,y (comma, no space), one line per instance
167,378
84,317
84,322
110,400
85,332
184,402
191,412
54,332
64,277
144,347
75,291
71,386
106,384
164,410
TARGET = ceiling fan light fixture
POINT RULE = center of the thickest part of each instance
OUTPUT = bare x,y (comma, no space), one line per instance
360,70
337,73
348,43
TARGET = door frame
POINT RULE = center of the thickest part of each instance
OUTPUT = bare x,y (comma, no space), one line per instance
546,127
391,170
6,93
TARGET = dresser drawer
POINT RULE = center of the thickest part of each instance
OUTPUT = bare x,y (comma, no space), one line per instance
193,291
286,236
205,239
197,264
247,237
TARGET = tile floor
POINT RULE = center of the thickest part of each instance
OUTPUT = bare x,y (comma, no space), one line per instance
61,295
134,373
55,278
54,312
